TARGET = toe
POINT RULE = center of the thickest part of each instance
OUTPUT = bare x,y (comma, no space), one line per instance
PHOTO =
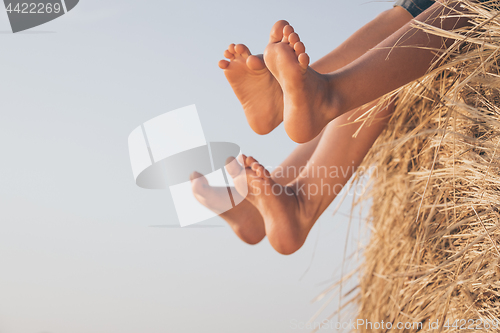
256,63
223,64
228,55
287,30
293,38
259,169
199,183
266,173
233,167
230,48
299,48
277,31
304,60
250,160
196,175
243,50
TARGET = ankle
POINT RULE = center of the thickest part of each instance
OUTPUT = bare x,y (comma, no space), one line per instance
334,98
307,207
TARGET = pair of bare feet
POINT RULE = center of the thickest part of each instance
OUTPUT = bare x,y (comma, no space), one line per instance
274,87
280,86
268,209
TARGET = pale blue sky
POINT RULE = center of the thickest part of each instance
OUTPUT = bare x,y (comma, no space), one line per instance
77,253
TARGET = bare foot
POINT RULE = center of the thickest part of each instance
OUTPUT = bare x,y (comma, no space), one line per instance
308,105
244,219
256,88
277,204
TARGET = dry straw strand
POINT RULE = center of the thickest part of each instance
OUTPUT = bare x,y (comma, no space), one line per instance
434,248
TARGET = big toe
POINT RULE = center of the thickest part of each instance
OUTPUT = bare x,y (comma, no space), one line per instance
233,167
277,31
256,63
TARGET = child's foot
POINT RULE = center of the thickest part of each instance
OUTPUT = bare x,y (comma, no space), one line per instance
244,219
277,204
256,88
307,102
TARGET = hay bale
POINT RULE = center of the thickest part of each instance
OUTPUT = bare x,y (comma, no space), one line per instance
434,247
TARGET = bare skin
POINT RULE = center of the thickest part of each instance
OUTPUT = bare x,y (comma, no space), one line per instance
256,88
284,234
290,211
245,219
306,96
312,100
281,205
261,94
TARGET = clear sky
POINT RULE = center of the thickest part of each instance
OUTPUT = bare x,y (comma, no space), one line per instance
77,250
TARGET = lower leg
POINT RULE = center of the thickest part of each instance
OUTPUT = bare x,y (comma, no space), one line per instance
245,220
308,105
290,211
311,99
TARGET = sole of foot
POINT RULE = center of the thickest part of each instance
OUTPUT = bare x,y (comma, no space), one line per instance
256,88
277,204
308,105
244,218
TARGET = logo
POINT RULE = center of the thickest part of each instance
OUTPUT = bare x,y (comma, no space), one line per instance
165,150
25,15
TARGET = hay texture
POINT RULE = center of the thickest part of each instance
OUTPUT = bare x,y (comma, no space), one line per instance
434,246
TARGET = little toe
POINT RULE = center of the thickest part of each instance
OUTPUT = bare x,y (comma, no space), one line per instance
277,31
287,30
242,158
243,50
299,48
223,64
256,63
233,167
304,60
